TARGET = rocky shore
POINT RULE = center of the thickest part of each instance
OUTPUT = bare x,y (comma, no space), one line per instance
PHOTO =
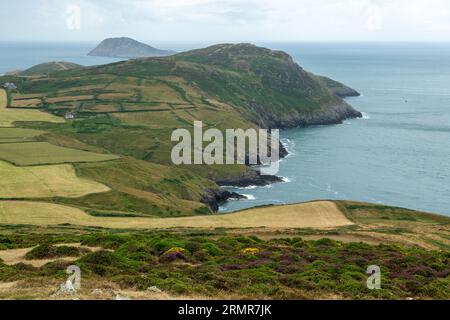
214,198
332,115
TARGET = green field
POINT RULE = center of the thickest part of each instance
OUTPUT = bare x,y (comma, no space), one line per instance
41,153
8,135
44,182
9,116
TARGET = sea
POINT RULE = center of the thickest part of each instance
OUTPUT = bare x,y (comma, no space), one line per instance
398,154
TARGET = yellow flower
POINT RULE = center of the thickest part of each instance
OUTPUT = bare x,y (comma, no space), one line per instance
175,250
250,251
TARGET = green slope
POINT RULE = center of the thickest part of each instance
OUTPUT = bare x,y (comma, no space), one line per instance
49,67
131,108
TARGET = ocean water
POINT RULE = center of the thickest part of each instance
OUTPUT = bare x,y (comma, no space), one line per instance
399,154
23,55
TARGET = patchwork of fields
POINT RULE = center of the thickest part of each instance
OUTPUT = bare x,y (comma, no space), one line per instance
41,153
39,179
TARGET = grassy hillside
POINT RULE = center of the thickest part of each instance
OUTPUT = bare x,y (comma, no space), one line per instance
49,67
130,109
112,202
231,263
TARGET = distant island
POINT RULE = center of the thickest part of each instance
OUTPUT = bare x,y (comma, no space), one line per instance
127,48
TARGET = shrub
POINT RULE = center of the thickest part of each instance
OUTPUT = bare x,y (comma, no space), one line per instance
250,251
135,250
47,251
212,249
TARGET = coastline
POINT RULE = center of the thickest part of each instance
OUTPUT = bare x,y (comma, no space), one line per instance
336,114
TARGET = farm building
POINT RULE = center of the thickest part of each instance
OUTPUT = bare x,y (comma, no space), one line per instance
9,86
69,116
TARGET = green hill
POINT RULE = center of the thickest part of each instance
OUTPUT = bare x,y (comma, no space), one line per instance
266,86
49,67
130,109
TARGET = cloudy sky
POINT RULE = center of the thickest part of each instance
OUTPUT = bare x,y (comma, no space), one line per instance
226,20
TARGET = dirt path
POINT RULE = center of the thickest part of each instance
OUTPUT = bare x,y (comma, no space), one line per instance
63,67
321,214
15,256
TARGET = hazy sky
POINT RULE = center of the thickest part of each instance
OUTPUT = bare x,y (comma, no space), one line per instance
226,20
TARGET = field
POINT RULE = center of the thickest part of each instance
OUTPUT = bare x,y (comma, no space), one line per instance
41,153
44,182
3,99
26,103
341,221
295,216
8,135
69,98
9,116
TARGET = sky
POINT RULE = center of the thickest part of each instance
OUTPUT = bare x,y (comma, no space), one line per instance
226,20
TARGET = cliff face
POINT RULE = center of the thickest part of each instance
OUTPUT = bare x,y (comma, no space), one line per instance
271,89
332,114
127,48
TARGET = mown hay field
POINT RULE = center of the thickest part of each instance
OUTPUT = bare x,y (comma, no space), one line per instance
3,99
26,103
41,153
44,182
19,96
9,116
69,98
323,214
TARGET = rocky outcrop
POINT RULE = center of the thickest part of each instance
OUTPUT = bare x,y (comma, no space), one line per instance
214,198
334,114
249,178
346,92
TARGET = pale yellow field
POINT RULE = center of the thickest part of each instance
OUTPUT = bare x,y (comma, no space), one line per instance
105,108
44,181
83,88
3,99
28,96
26,103
322,214
9,116
69,98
